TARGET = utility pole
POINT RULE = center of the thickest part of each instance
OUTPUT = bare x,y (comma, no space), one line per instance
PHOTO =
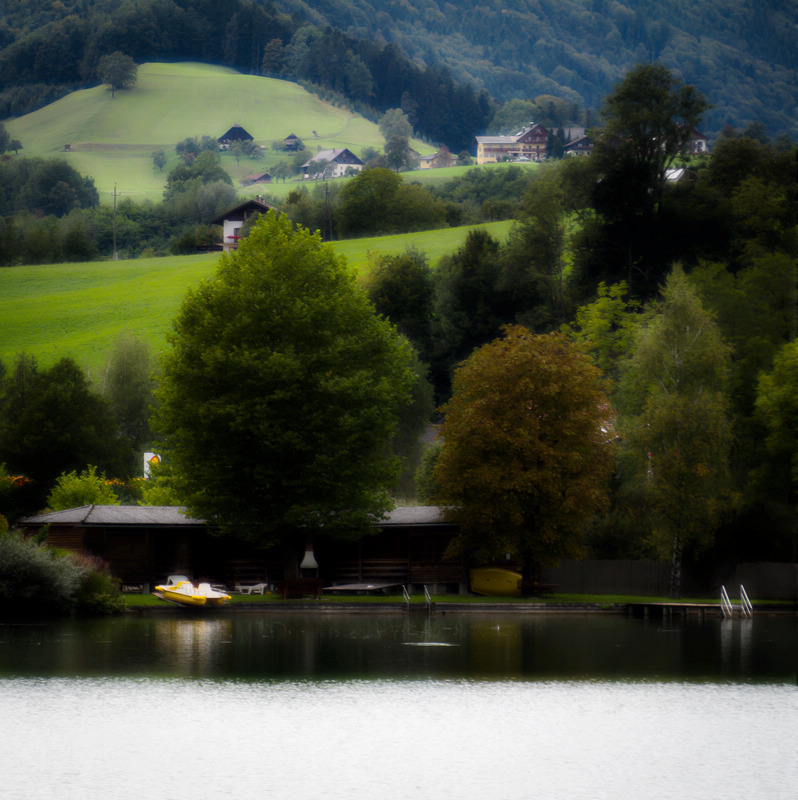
116,255
327,213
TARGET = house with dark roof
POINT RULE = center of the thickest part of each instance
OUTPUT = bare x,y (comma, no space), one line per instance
291,143
331,164
528,144
142,545
256,177
583,146
235,134
698,143
233,220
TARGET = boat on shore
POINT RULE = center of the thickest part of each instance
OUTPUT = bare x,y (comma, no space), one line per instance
495,582
186,593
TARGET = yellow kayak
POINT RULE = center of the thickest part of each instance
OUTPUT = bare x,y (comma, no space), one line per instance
495,582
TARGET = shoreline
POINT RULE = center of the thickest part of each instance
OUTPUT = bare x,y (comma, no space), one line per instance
654,610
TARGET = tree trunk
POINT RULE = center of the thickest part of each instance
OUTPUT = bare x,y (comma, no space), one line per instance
676,567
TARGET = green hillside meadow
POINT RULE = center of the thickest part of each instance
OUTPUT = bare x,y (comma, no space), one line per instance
79,310
112,139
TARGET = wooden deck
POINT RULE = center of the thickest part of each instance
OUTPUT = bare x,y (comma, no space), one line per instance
668,609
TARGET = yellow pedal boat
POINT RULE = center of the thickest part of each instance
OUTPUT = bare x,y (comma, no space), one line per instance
185,593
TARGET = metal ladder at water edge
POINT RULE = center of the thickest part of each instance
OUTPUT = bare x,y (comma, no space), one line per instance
427,598
746,609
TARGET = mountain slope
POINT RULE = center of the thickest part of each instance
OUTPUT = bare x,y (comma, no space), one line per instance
112,139
743,56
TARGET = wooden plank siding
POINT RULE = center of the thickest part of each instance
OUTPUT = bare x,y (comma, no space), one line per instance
144,545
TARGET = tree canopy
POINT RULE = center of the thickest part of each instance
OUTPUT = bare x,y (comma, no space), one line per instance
281,393
117,70
72,490
647,120
526,455
51,422
677,428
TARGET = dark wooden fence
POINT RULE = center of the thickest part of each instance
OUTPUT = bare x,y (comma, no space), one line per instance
762,581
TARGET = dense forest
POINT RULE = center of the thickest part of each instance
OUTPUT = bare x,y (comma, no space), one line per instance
47,50
442,63
743,56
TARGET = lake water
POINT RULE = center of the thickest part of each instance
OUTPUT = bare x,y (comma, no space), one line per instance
350,706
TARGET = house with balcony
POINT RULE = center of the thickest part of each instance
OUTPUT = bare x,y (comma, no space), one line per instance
526,145
583,146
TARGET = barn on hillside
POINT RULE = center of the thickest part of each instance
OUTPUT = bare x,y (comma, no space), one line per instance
235,134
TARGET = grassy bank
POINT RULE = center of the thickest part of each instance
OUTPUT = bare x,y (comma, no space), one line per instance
78,310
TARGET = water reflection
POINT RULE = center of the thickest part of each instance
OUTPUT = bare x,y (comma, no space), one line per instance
482,707
460,645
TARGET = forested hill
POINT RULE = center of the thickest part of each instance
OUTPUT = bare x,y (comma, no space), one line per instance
380,54
743,56
49,48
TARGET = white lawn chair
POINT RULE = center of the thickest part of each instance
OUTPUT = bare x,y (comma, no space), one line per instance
254,588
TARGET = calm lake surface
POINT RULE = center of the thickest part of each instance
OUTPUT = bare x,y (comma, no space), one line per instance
343,706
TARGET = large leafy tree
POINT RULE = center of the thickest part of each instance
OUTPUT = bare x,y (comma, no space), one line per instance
395,124
647,121
127,383
282,392
676,424
526,455
367,203
468,309
51,422
401,288
117,70
536,257
777,412
378,201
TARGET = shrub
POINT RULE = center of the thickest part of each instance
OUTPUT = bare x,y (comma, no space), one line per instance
98,593
87,488
35,579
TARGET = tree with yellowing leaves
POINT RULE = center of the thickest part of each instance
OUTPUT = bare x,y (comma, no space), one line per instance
527,452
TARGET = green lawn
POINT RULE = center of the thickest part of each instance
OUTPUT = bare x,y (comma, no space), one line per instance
78,310
437,177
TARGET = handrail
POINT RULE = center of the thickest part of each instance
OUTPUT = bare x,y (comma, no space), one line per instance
406,596
726,606
427,599
746,608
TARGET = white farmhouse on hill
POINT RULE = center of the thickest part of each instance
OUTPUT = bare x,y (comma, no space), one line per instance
331,164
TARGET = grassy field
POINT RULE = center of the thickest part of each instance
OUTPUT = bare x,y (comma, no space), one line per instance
79,310
112,139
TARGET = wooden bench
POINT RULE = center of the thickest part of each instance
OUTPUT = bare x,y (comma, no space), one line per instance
300,587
